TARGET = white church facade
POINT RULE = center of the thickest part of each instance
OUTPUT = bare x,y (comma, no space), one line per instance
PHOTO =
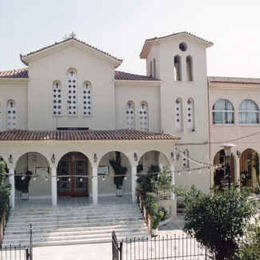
65,114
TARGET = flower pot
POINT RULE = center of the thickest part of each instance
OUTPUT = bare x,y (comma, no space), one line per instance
155,232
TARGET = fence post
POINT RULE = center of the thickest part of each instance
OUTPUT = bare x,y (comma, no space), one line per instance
31,243
121,250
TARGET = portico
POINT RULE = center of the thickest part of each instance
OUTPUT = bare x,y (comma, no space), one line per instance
67,163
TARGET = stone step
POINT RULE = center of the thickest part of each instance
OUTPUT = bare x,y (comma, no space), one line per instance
74,225
76,230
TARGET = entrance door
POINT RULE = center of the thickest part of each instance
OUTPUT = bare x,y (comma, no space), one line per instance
72,173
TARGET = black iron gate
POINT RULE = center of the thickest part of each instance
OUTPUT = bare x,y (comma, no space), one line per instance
117,248
18,252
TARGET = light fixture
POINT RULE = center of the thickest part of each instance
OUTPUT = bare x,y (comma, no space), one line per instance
58,179
34,178
135,157
81,179
238,154
10,158
95,158
125,178
69,179
23,177
53,159
227,148
103,178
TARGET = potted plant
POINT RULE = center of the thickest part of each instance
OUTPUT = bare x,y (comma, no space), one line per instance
120,172
22,184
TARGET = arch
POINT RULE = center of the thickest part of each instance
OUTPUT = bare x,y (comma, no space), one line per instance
11,114
87,98
223,112
249,169
189,68
56,98
177,68
191,115
72,174
220,178
72,92
143,115
178,115
156,157
130,115
248,112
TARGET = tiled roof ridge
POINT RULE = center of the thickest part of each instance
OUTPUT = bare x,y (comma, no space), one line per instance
87,135
224,79
16,73
183,32
68,39
121,75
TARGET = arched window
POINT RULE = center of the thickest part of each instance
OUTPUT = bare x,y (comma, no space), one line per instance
56,98
189,68
248,112
87,99
190,115
11,114
130,115
177,68
154,68
185,159
143,117
178,115
72,97
223,112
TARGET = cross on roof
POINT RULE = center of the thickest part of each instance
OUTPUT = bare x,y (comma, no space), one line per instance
72,35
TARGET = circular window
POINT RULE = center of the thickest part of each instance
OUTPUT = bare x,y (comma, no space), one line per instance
183,46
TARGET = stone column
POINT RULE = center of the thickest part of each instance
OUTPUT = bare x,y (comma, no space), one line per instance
94,184
54,186
173,179
133,177
237,171
12,183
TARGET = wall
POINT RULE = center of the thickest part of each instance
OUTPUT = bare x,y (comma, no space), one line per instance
90,67
16,90
138,92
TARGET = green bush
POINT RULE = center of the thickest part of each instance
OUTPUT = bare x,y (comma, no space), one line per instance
4,194
217,220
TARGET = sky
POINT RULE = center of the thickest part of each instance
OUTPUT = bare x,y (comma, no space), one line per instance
120,28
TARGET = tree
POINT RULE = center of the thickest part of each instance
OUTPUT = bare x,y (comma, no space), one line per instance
4,188
217,219
249,247
119,170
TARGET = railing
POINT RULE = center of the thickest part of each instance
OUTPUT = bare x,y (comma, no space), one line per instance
2,226
15,253
143,209
167,247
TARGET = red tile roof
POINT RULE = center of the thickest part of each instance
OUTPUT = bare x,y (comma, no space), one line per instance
67,40
81,135
119,75
19,73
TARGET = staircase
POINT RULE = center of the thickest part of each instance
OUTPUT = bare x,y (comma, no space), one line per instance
74,225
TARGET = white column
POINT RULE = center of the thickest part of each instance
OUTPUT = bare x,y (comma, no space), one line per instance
173,180
54,186
94,185
133,183
12,183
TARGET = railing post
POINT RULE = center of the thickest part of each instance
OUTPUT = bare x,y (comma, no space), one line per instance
31,243
121,250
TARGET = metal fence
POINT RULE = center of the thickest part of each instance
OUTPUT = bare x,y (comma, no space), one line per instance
15,253
167,247
18,252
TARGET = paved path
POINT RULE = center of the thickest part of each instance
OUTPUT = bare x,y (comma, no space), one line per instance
74,252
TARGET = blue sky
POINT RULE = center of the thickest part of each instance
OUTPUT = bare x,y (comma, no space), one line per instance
120,27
